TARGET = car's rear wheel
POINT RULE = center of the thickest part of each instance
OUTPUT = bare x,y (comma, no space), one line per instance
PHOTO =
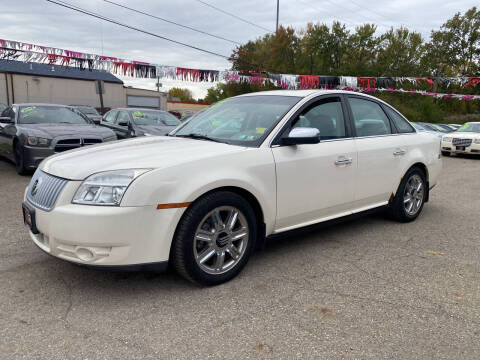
410,198
446,153
214,238
19,159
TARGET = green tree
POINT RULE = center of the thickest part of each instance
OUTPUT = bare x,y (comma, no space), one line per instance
360,57
400,53
182,94
455,48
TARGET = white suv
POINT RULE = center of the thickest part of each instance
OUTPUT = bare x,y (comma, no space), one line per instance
248,167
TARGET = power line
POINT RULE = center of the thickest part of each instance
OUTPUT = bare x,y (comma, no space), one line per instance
171,22
233,15
90,13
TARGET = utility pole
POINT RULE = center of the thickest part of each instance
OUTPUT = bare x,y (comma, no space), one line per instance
278,5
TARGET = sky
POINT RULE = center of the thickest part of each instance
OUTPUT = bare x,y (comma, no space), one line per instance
43,23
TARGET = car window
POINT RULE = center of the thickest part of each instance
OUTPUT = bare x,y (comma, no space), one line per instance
400,123
122,117
369,118
243,120
326,116
49,114
154,118
110,116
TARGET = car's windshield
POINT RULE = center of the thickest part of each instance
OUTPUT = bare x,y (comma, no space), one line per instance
154,118
244,120
38,114
470,127
87,110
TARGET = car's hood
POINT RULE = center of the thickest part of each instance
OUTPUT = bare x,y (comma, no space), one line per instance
141,152
155,130
464,135
50,131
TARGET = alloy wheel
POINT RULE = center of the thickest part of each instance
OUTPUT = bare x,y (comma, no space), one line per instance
413,195
220,240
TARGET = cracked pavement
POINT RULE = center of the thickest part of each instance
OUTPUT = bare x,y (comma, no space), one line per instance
367,288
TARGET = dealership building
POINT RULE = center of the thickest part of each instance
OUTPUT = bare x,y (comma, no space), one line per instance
22,82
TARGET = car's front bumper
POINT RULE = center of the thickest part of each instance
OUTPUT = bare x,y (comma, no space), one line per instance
33,156
105,236
472,149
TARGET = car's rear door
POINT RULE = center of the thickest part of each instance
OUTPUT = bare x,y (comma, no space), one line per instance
382,152
315,182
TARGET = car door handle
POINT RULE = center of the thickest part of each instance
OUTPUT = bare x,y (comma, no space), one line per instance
399,152
343,161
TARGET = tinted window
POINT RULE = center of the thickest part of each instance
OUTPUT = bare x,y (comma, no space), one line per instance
400,123
326,116
110,116
122,117
369,118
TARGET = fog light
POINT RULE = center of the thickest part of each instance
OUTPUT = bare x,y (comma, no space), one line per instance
84,254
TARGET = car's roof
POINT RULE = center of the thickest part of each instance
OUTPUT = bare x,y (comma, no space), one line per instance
307,93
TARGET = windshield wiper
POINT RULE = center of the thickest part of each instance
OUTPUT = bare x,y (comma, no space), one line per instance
199,137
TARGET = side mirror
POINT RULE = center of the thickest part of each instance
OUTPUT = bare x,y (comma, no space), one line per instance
6,120
302,135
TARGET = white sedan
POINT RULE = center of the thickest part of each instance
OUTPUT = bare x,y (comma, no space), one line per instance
465,140
247,168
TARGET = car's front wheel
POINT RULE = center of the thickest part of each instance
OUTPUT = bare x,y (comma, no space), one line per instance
19,159
214,238
410,198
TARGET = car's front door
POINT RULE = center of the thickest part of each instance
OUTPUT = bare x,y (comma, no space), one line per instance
315,182
122,125
7,133
381,153
108,120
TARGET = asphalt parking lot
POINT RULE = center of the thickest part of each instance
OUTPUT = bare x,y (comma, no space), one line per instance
365,289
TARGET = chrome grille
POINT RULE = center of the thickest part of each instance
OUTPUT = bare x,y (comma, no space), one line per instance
69,144
44,189
461,142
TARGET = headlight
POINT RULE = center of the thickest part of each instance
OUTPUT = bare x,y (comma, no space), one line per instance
147,134
106,188
477,141
447,139
37,141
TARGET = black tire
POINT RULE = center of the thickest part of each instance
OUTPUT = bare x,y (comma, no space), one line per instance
397,208
19,159
446,153
182,253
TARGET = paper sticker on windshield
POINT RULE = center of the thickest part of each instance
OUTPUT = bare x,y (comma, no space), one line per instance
138,114
463,127
28,111
260,130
